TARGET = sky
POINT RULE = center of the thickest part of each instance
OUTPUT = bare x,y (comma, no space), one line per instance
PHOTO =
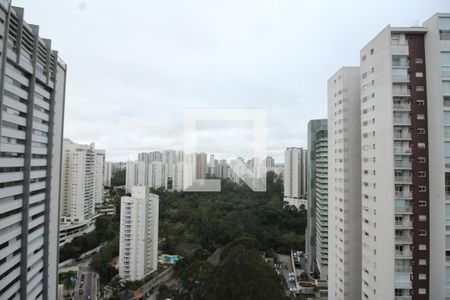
135,66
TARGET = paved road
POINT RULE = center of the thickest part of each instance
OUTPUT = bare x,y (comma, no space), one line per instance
286,259
86,286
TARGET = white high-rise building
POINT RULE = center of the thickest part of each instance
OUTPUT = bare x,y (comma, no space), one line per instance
107,173
344,185
405,150
82,181
295,175
32,88
138,250
169,158
136,174
157,175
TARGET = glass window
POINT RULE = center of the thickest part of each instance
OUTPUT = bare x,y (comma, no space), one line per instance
446,87
447,242
447,118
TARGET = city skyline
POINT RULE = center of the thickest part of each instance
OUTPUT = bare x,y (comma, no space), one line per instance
186,56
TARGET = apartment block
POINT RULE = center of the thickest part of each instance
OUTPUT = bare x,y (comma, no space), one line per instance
404,83
82,181
32,85
138,250
295,168
313,127
107,173
344,185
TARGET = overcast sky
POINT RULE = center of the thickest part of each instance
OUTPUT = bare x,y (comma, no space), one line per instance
133,66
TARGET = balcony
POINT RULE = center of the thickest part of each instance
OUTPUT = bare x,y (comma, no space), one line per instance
403,225
403,269
403,179
400,78
402,135
402,150
402,105
403,164
403,254
403,195
402,121
404,239
400,49
403,298
403,210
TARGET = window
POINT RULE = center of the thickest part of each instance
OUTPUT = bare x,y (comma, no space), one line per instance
422,276
420,117
420,102
445,64
422,262
422,174
421,130
422,232
419,74
421,145
447,154
422,188
422,291
422,218
422,247
371,51
422,203
444,35
422,159
419,60
420,88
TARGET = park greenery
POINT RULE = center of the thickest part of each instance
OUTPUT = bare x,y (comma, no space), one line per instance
245,225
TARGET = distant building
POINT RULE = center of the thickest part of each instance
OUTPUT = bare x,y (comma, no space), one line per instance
138,250
82,181
270,162
295,168
107,173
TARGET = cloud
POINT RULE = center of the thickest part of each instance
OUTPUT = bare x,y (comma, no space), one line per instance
134,66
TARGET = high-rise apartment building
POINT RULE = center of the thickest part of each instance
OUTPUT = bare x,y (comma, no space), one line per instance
344,185
107,173
404,151
295,175
32,85
317,214
321,219
138,250
82,181
404,81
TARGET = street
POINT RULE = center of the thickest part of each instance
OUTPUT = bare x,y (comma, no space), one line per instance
86,286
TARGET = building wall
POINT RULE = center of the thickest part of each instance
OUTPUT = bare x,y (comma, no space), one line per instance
313,126
138,250
438,133
295,168
82,181
321,195
344,191
32,83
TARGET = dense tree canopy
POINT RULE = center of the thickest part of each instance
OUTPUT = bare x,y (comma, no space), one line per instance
245,225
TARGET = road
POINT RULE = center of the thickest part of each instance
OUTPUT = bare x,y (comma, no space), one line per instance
86,286
286,259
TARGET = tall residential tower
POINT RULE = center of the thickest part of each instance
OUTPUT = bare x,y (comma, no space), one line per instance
32,85
344,185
